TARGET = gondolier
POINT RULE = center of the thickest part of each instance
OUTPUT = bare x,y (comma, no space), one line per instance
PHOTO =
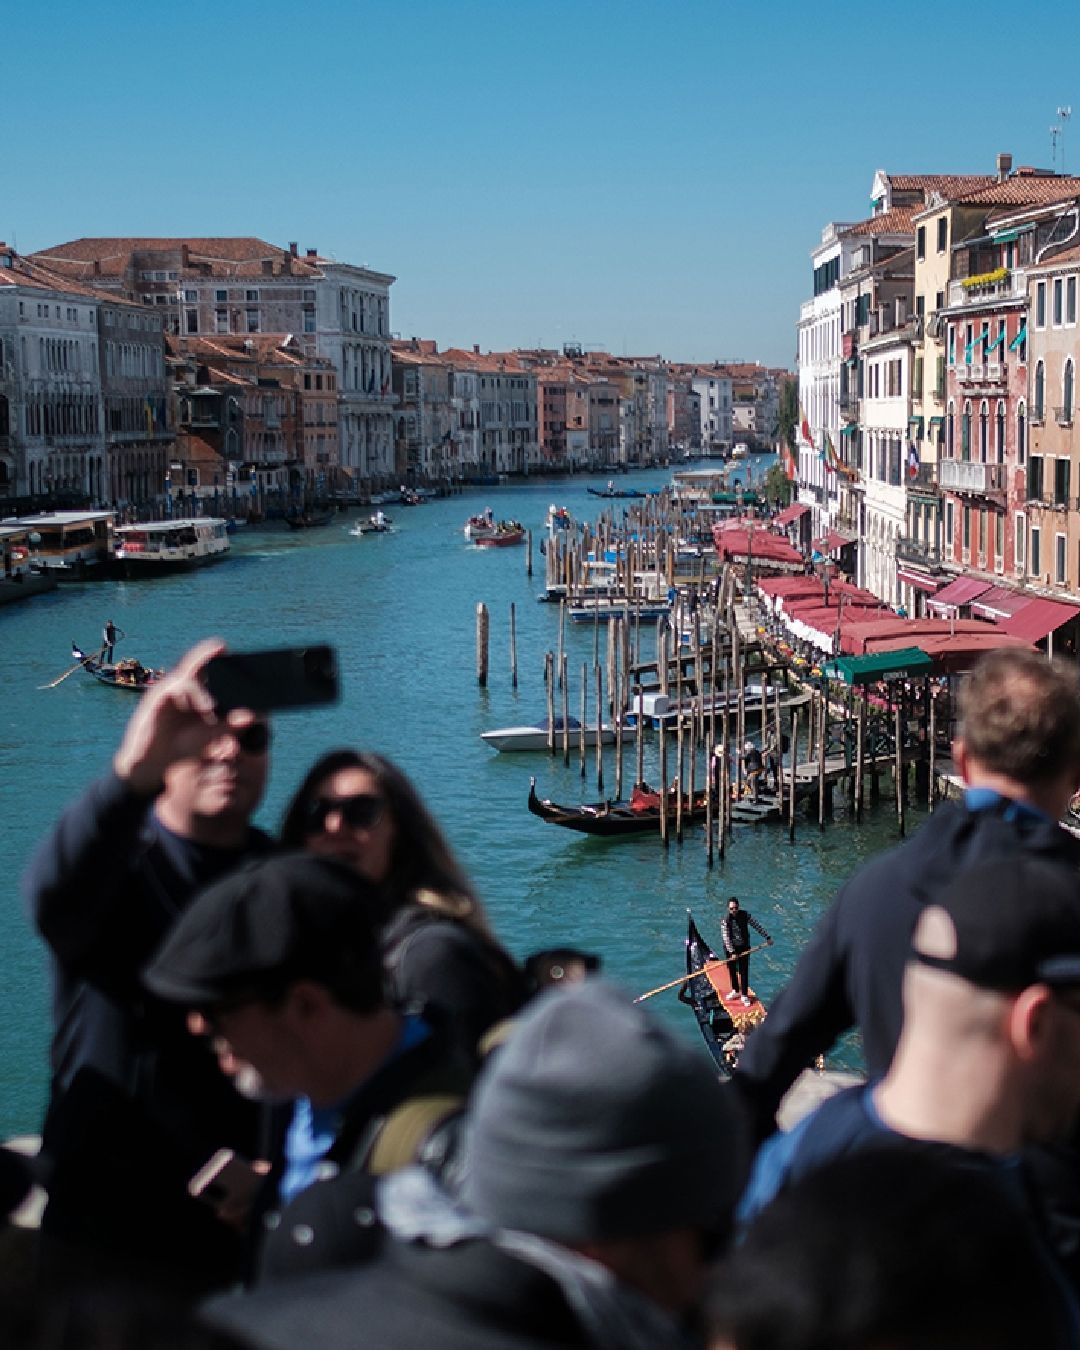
110,636
735,935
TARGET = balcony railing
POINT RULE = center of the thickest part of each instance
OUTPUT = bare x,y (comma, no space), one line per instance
961,475
1063,417
990,285
918,551
925,476
991,374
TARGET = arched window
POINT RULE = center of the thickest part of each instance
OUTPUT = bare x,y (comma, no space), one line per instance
1067,381
984,431
965,432
999,432
950,433
1038,400
1021,434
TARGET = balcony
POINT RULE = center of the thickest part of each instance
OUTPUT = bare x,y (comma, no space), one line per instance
918,551
996,285
1063,417
990,378
970,476
925,477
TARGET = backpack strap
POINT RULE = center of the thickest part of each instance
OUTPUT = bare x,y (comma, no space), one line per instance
399,1138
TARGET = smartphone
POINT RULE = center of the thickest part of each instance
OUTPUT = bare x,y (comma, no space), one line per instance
286,677
225,1178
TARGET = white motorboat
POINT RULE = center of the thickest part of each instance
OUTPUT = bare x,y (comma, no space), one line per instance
161,545
535,736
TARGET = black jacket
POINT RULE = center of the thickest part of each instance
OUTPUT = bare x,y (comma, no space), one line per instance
137,1103
851,971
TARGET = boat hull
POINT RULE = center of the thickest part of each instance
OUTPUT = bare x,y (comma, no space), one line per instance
612,820
509,740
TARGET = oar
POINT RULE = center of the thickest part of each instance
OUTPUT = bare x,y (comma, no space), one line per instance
692,975
77,666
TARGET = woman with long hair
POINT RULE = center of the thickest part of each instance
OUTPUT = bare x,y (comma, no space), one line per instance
439,948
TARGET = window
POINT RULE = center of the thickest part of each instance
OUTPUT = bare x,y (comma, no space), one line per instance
950,524
1019,539
1021,434
191,320
309,318
965,432
939,299
1038,398
1035,563
1035,478
1040,305
942,234
221,296
916,382
999,540
950,433
1060,567
191,296
984,432
1061,482
966,541
309,297
1067,381
1070,300
251,296
1059,302
920,305
221,320
252,318
999,433
952,344
920,242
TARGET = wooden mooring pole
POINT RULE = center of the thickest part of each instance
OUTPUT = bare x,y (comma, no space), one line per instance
482,627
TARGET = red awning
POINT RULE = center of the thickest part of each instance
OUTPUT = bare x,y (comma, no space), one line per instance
1038,619
919,580
831,541
999,602
791,513
862,636
959,592
741,541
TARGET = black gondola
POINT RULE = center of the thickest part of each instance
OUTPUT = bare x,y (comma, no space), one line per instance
129,674
614,819
723,1028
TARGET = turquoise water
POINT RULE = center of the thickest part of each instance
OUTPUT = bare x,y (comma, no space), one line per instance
401,610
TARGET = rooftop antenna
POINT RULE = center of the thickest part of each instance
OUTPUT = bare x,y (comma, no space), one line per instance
1063,115
1055,131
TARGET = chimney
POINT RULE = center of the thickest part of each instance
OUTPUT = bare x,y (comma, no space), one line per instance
476,348
185,257
294,248
313,252
1004,166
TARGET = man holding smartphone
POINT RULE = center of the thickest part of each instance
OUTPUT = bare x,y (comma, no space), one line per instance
137,1104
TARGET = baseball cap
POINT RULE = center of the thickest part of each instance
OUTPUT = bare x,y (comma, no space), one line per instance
1007,924
292,916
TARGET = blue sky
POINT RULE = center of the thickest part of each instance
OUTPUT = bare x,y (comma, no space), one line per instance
646,177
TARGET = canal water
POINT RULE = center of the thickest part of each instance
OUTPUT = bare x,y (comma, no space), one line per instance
400,608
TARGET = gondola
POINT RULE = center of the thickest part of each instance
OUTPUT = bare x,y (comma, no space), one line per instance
724,1027
641,815
129,674
308,520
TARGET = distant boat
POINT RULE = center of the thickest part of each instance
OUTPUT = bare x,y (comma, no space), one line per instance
535,735
491,533
740,451
640,815
308,520
129,674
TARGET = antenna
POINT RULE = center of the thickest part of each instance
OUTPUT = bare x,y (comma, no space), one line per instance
1055,131
1063,114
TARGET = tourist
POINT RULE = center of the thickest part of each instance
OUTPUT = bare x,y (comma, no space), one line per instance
887,1250
735,935
1018,752
988,1059
599,1170
281,960
753,767
360,808
137,1105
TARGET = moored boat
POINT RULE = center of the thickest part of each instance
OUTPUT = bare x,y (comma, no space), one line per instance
164,545
308,520
534,736
609,819
69,545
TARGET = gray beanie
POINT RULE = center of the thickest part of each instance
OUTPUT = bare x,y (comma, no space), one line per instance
596,1123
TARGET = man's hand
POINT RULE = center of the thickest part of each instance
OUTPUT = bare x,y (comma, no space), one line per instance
174,720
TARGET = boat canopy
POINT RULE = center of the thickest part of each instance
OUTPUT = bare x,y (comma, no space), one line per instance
883,666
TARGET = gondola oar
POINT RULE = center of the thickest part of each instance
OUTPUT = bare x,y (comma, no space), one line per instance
77,666
693,974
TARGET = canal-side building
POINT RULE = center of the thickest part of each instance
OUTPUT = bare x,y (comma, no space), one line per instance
52,446
497,396
139,428
712,386
208,287
425,447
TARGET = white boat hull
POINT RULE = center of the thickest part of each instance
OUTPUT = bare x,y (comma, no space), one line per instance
513,739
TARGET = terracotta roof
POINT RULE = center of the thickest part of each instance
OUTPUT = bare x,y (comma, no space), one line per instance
897,220
1025,190
945,183
111,257
28,271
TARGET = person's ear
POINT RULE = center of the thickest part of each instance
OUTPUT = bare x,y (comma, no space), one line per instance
1029,1021
307,1000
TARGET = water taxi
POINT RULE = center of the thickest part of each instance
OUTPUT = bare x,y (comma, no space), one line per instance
70,545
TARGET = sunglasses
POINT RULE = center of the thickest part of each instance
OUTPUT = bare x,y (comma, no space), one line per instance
359,812
253,739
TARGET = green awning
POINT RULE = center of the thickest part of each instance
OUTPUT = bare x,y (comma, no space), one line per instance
937,421
917,423
1007,237
1018,339
849,429
883,665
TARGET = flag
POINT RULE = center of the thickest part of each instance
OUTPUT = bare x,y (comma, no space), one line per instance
790,467
148,409
804,428
912,460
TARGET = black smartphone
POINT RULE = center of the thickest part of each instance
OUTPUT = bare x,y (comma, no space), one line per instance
286,677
